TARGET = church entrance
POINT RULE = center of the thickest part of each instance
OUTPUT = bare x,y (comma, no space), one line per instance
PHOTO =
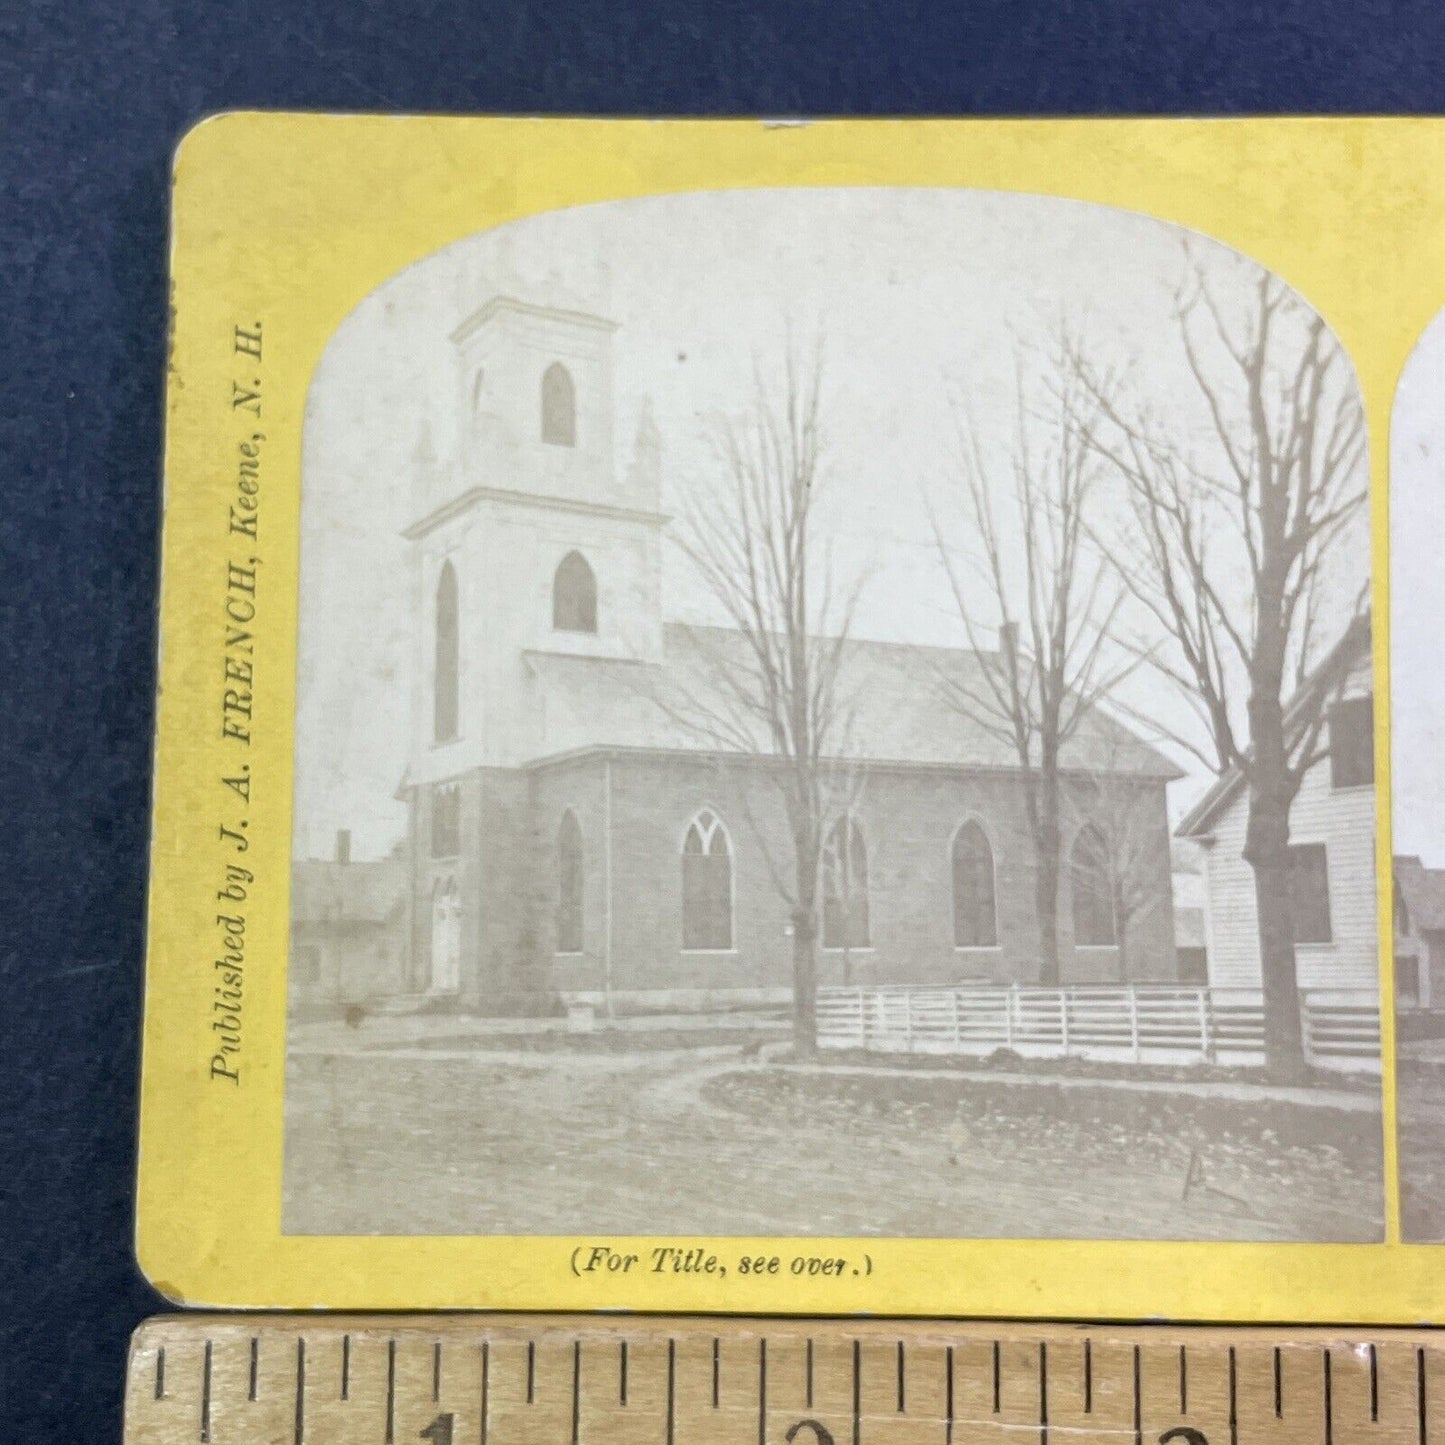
446,938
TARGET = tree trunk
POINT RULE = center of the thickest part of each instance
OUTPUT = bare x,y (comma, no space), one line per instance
805,983
1046,882
1266,850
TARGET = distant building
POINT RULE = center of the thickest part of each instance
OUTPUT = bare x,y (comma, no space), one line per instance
570,835
1332,842
348,929
1419,935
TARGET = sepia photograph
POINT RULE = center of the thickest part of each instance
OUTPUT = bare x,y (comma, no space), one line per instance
1417,776
849,712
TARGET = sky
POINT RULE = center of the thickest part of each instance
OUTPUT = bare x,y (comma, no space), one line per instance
924,301
1417,602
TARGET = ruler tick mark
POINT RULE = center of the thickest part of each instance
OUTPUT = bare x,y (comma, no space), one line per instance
1043,1393
1088,1377
390,1391
576,1391
671,1391
1421,1420
486,1391
857,1391
346,1367
902,1406
206,1395
948,1395
1278,1385
1374,1384
762,1392
1138,1403
716,1371
436,1371
300,1389
1183,1382
808,1372
1329,1402
531,1370
1233,1399
622,1373
997,1382
161,1373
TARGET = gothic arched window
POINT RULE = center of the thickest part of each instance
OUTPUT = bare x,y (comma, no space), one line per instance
1093,890
444,697
569,884
559,407
707,885
574,595
975,913
845,887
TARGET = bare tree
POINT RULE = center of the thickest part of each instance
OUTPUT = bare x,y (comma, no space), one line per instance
775,680
1035,568
1134,837
1237,509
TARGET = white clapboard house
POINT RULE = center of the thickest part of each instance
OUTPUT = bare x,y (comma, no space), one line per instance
1335,881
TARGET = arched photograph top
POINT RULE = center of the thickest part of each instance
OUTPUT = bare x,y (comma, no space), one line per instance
864,685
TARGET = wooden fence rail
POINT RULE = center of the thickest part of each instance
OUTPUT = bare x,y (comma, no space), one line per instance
1142,1023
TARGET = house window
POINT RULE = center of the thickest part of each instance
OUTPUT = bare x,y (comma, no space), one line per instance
446,823
1352,742
574,595
1407,982
569,885
1310,893
845,887
559,407
975,918
444,695
1095,925
707,885
1402,912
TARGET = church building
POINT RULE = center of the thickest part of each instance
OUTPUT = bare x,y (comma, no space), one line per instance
570,839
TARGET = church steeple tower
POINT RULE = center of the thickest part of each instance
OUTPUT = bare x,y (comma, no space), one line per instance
553,548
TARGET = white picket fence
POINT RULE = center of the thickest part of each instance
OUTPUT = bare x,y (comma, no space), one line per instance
1142,1023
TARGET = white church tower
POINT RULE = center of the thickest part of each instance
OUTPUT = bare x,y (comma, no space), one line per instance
532,539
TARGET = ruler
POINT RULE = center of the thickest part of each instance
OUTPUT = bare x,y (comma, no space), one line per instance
599,1380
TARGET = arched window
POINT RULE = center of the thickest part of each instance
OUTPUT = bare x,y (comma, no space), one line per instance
569,885
1093,890
975,914
574,595
446,823
707,885
446,937
444,696
845,887
559,407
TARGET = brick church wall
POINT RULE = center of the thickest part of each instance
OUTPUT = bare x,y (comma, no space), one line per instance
908,818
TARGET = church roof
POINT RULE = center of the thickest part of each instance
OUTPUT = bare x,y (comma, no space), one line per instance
899,697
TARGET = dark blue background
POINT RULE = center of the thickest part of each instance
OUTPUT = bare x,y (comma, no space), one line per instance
92,100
